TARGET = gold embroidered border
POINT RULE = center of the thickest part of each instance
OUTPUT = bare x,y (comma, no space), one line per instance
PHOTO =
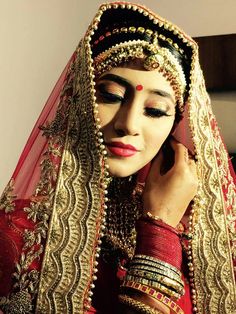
7,198
67,271
213,271
70,254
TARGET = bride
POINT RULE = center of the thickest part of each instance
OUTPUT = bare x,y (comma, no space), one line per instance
123,200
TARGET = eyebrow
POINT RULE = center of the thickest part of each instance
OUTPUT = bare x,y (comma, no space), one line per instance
162,93
127,84
117,79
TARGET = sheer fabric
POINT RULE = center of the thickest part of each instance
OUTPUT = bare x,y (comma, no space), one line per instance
52,210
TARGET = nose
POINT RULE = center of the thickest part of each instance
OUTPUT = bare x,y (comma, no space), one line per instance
127,120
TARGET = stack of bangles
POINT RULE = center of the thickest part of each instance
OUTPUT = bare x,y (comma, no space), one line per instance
155,267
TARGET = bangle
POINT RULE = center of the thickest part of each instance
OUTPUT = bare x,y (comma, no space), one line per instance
156,285
149,260
159,271
159,240
137,305
154,294
170,283
155,268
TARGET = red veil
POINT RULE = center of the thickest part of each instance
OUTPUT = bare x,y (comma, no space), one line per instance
52,210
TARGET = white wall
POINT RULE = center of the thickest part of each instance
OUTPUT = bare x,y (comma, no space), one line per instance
37,39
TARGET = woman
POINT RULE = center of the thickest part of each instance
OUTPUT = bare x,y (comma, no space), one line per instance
123,199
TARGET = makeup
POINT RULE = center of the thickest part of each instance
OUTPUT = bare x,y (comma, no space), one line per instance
121,150
139,87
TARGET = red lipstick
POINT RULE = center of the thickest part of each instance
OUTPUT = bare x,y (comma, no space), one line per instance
122,150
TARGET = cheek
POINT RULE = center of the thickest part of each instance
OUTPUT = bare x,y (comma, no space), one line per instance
155,137
106,114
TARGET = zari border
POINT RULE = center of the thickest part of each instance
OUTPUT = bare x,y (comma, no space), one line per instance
214,284
68,268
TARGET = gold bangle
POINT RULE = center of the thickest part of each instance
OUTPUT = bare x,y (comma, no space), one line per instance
156,285
155,261
154,265
137,305
170,283
159,270
154,294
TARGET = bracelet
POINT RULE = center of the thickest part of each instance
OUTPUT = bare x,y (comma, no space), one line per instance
170,283
137,305
159,240
154,261
156,285
150,215
154,294
154,273
154,267
159,221
159,271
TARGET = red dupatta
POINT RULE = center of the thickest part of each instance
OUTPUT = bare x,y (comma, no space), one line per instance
53,208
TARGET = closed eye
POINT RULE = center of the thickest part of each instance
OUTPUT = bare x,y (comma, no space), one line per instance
107,97
155,112
110,98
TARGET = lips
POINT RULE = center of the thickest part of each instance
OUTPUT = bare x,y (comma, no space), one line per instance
122,150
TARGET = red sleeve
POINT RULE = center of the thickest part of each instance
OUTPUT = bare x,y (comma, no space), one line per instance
12,227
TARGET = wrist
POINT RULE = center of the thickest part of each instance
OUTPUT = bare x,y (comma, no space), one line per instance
163,212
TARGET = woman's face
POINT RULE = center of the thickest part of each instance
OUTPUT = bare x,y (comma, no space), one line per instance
137,112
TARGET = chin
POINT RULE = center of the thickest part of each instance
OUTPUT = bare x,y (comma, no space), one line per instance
124,168
120,171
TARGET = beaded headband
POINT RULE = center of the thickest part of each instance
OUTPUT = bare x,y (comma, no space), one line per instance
152,35
155,57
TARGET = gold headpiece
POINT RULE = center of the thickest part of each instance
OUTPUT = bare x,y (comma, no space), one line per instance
155,57
152,35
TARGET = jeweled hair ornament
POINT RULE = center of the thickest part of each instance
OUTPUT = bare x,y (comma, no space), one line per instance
155,58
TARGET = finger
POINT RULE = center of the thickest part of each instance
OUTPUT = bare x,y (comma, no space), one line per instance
192,166
155,168
194,174
181,152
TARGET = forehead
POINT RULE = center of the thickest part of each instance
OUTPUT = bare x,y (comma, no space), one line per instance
135,74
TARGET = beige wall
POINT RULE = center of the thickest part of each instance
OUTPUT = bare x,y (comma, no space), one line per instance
224,107
37,39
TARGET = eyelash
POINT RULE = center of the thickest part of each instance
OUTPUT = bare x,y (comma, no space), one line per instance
155,113
115,99
111,98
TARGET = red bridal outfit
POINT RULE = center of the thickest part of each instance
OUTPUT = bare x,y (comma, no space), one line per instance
74,240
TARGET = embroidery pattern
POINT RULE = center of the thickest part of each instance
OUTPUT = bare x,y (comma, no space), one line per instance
7,198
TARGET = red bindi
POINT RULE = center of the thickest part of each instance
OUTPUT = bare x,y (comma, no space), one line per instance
139,87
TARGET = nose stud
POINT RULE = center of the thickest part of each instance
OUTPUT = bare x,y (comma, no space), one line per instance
139,87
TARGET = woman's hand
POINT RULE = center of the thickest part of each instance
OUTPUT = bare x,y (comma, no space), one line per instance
168,195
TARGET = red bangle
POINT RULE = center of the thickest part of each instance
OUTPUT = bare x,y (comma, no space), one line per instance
159,240
159,222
